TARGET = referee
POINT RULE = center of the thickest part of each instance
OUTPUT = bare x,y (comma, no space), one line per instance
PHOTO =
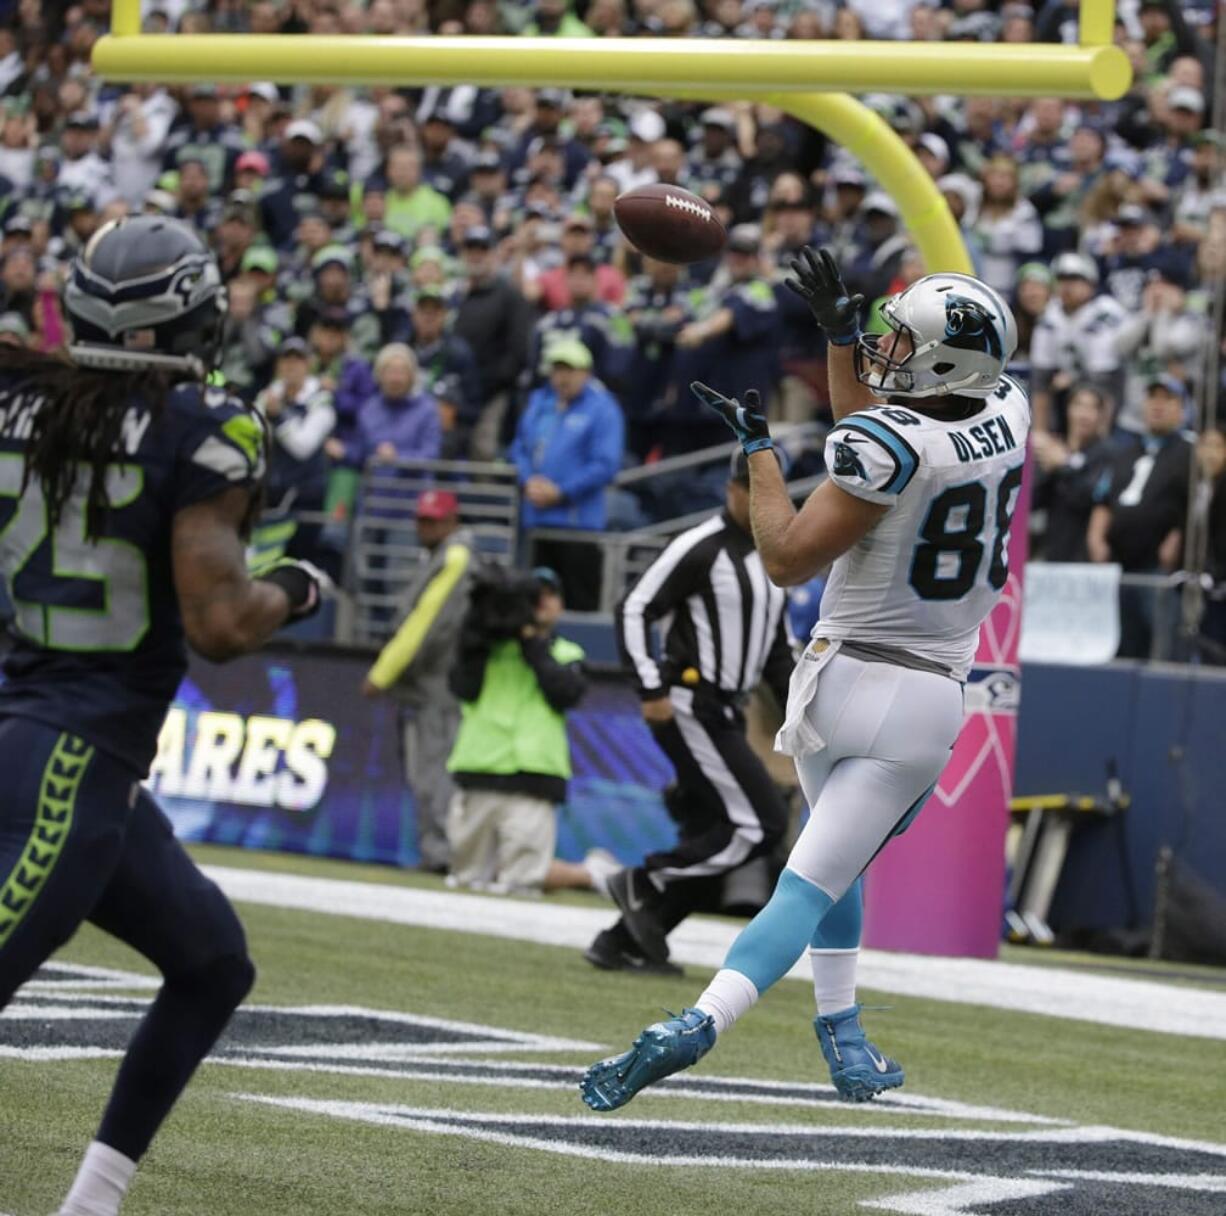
724,633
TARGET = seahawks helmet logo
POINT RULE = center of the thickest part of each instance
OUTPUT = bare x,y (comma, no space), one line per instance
846,462
184,284
970,326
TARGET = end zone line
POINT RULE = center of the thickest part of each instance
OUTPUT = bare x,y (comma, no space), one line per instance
1146,1004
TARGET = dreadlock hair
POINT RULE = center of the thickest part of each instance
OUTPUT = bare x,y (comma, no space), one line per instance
77,420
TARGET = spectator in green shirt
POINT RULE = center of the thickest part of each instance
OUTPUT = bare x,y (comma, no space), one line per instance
411,205
554,17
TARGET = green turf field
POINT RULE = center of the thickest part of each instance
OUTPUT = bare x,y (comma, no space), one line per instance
328,1111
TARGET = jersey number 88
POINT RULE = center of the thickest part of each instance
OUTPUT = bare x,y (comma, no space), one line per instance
948,559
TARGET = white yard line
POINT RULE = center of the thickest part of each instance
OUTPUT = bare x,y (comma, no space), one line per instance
1054,991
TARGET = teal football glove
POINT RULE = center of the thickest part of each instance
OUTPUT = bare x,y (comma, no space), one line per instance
819,283
747,421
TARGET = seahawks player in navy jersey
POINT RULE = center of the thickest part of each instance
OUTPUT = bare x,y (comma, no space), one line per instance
126,488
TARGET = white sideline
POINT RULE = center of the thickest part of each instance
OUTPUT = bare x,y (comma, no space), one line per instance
1054,991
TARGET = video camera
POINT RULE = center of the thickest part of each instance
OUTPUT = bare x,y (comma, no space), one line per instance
502,601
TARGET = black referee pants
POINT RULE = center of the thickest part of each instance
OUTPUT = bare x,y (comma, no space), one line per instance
726,806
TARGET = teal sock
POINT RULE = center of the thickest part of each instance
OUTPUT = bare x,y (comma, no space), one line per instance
841,926
772,942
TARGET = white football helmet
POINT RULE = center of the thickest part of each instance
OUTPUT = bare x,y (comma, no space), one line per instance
962,334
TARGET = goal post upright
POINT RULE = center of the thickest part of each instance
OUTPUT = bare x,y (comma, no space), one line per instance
1096,22
894,166
125,19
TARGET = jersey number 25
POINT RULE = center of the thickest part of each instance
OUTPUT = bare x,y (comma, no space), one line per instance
117,567
954,538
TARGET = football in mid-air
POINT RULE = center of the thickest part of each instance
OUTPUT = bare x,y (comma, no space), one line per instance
669,224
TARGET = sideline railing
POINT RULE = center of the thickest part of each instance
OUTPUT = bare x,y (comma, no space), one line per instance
381,548
624,556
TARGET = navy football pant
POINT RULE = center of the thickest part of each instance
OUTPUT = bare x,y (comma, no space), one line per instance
80,839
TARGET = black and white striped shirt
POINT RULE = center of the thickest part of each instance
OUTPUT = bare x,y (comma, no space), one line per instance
718,612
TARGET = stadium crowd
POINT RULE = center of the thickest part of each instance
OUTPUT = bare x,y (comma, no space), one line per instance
425,273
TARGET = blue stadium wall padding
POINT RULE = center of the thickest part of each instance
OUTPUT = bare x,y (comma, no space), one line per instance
1165,728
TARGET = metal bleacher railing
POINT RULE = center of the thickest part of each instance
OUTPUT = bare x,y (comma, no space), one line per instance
380,546
626,555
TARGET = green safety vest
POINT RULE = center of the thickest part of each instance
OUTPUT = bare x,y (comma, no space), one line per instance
510,727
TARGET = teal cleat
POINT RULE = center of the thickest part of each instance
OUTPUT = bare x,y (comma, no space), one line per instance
858,1069
661,1050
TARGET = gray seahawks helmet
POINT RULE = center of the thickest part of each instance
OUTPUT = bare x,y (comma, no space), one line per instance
962,334
146,293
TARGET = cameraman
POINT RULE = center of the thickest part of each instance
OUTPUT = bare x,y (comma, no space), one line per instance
511,759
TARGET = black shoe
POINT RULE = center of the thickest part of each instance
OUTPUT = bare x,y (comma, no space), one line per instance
634,894
609,952
639,963
606,950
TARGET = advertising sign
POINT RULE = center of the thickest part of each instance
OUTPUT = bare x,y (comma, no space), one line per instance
281,751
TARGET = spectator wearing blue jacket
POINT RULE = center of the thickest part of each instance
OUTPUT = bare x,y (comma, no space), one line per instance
567,449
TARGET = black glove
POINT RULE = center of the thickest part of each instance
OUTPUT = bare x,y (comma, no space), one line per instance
819,283
747,421
306,585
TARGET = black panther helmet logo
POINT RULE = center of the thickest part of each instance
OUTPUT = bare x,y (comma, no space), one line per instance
970,326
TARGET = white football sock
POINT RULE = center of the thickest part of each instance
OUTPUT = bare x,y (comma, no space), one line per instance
834,978
601,865
728,996
101,1183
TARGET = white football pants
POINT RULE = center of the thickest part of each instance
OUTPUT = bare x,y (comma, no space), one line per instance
888,732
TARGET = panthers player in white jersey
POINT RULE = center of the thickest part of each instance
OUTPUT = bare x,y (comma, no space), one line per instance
931,570
925,465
